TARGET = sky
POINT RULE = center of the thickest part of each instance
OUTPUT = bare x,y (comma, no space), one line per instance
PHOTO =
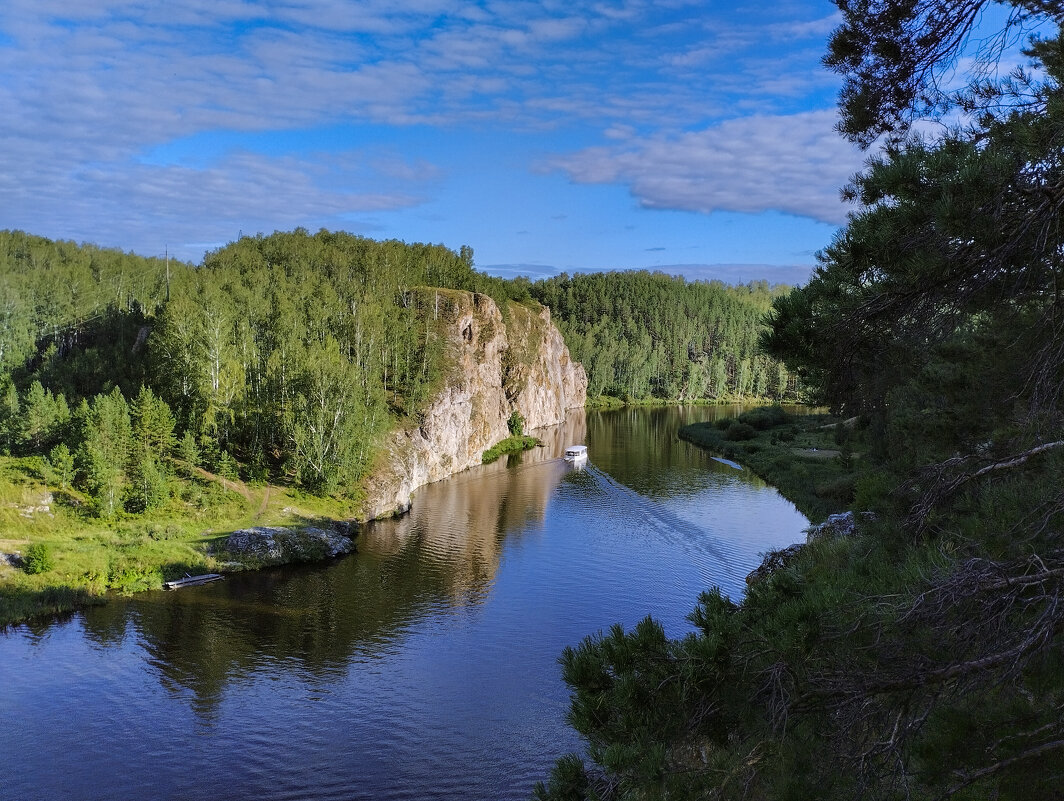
690,137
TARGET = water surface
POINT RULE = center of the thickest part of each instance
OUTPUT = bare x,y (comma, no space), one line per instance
422,667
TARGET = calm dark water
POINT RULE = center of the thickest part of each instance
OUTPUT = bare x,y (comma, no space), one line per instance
423,667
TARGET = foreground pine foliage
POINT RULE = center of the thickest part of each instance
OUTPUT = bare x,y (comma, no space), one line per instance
923,656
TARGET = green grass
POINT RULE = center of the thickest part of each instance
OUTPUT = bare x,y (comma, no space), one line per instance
509,445
613,402
91,557
603,402
799,455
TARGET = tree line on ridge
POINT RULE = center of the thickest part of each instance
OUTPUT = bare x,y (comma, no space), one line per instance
288,357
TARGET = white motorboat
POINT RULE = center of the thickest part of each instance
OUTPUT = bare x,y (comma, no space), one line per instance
576,454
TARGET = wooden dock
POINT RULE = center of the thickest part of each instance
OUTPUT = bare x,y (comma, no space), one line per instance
191,581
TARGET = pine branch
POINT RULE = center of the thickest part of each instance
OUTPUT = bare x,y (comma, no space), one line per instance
969,779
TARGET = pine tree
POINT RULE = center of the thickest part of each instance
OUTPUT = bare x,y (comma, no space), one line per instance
9,414
43,416
153,424
107,439
61,462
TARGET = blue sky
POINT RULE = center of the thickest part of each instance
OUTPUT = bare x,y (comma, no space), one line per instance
693,137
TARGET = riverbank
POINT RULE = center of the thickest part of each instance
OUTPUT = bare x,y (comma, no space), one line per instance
515,444
813,460
606,402
91,558
85,558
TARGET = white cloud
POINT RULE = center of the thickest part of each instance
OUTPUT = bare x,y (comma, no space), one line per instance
794,164
88,86
147,206
169,70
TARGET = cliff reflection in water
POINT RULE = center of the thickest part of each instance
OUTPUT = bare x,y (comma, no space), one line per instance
316,619
462,522
423,666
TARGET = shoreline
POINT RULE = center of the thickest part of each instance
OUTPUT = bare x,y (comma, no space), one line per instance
96,558
814,460
90,558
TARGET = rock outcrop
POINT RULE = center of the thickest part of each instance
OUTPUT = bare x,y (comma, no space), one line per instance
497,365
272,545
838,526
773,562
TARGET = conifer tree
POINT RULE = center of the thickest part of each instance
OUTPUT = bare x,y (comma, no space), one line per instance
153,424
107,438
9,414
42,417
61,462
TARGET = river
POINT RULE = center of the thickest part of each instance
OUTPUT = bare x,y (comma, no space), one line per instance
422,667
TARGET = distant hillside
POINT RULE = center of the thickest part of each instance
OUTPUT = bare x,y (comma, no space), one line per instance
291,354
647,335
290,357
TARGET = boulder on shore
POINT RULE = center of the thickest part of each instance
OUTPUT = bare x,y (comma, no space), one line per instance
273,545
772,562
837,526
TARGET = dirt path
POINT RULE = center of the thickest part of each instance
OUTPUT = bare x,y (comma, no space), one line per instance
265,500
236,486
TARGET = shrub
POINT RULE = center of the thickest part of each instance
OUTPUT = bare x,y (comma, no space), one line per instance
840,489
38,559
516,424
129,574
872,491
764,418
511,445
740,431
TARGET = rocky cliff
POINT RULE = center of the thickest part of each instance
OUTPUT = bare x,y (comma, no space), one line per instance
497,364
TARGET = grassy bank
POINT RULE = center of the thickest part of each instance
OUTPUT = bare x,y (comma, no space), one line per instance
814,460
509,445
86,557
599,402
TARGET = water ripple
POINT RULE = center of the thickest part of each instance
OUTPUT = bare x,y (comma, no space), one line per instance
423,667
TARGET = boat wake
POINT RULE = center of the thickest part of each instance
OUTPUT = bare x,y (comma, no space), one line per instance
653,519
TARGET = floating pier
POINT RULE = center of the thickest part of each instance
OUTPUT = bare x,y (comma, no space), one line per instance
191,581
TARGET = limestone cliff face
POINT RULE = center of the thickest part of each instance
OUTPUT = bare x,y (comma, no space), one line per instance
496,366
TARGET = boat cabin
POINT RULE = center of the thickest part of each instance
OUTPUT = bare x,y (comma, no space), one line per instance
576,453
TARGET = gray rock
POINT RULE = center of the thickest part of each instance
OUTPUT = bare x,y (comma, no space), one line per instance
498,366
11,559
773,561
43,506
837,526
280,545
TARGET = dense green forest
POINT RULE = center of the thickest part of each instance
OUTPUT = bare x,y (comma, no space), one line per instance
288,355
649,335
286,358
921,656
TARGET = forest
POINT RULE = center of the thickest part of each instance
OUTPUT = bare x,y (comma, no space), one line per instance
646,335
282,356
286,358
920,654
